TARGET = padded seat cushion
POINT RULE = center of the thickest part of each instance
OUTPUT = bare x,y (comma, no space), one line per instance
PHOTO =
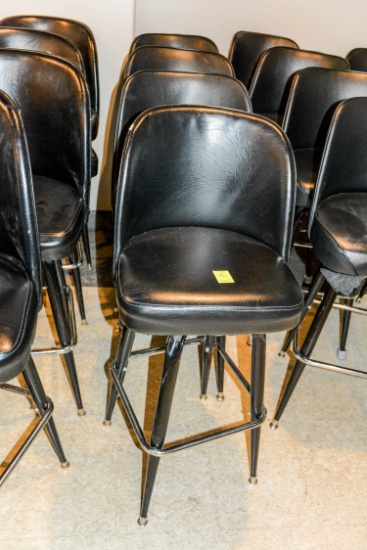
165,284
307,163
60,215
18,315
339,233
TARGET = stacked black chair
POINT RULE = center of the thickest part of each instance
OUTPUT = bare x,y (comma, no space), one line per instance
54,101
20,279
246,48
215,190
271,81
183,41
358,59
337,230
81,35
174,59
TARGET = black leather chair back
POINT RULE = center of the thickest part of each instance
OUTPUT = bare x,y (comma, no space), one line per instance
54,101
271,81
18,224
174,59
313,97
75,31
344,164
184,41
206,167
39,41
147,89
246,48
358,59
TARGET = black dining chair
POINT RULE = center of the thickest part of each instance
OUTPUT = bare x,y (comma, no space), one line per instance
270,84
203,227
54,101
161,58
337,230
183,41
82,37
20,282
246,48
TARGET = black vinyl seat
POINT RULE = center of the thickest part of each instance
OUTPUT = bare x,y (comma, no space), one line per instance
271,81
338,232
215,193
20,278
246,48
358,59
174,59
184,41
54,101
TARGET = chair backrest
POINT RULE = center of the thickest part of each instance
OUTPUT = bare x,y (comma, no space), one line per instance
185,41
40,41
206,167
246,48
75,31
358,59
53,98
312,100
18,222
173,59
271,81
147,89
343,167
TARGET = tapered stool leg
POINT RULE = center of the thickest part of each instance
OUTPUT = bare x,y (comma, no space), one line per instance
125,345
39,397
86,244
346,316
257,398
58,299
308,345
207,357
78,287
220,369
172,357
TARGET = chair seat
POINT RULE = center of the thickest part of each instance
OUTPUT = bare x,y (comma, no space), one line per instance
339,233
60,214
307,162
165,284
18,314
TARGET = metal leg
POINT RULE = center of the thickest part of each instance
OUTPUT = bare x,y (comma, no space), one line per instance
346,316
315,288
125,345
58,301
86,244
207,357
39,397
169,375
307,348
78,287
220,369
257,397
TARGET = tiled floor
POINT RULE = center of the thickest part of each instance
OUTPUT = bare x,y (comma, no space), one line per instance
312,490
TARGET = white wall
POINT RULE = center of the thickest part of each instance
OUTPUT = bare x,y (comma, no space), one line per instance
112,23
331,26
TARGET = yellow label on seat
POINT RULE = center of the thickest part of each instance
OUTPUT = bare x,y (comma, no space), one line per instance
223,277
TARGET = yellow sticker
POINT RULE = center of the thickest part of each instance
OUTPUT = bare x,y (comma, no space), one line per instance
223,277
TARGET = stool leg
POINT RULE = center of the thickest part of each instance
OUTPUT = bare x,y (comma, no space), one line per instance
172,357
346,316
257,397
308,345
85,237
78,287
207,357
220,369
39,397
58,301
315,288
125,345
